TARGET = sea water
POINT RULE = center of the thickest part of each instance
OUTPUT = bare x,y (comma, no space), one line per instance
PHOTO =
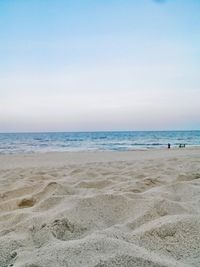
94,141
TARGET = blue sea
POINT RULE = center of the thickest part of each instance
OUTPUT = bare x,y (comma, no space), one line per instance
94,141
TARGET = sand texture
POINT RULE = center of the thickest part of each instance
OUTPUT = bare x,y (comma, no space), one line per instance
95,209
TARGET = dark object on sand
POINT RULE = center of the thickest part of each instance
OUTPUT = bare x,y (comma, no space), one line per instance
181,145
169,145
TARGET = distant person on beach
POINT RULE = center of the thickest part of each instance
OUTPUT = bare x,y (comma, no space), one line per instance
169,146
181,145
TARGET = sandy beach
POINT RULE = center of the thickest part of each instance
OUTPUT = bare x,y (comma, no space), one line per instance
92,209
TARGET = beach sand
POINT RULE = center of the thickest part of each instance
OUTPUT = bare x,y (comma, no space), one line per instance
92,209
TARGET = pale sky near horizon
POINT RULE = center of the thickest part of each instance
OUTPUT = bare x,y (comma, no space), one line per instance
99,65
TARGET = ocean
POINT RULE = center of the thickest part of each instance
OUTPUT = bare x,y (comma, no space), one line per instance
94,141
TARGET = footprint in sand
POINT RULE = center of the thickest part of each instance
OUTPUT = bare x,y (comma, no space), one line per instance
26,202
63,229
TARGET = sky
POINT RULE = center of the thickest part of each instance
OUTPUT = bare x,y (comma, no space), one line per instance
95,65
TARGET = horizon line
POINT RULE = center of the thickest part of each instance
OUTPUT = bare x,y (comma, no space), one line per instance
97,131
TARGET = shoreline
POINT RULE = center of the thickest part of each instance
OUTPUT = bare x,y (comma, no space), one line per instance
83,157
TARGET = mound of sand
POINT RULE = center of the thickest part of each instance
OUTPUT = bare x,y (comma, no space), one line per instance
100,209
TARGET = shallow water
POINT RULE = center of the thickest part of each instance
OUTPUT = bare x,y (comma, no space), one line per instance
88,141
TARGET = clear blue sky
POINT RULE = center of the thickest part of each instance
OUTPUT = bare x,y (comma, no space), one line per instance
99,65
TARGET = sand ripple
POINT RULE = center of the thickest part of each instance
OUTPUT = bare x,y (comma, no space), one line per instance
136,212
